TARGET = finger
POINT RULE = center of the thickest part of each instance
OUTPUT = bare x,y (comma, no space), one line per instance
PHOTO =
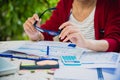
64,25
69,37
25,26
68,30
31,27
31,20
36,17
38,23
29,24
27,29
65,32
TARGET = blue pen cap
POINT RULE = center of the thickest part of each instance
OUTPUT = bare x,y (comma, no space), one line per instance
72,45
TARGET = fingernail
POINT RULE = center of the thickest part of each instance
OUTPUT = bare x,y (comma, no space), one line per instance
59,28
37,19
61,38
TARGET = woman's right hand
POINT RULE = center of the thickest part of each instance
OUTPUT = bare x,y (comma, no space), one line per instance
33,34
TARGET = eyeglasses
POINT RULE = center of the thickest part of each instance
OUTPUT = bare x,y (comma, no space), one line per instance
52,33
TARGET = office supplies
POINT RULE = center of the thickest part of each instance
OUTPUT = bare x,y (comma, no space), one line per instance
46,64
7,67
60,49
21,55
72,45
70,60
39,67
100,74
47,50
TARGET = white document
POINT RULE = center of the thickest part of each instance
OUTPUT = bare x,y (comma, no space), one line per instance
100,60
56,49
68,73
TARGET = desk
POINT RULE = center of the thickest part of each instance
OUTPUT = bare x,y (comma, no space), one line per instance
25,75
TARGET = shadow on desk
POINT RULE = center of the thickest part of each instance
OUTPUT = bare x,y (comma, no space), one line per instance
117,74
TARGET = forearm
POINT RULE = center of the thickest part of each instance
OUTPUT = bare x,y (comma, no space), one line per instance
97,45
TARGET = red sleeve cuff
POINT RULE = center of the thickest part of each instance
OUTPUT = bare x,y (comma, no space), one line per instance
113,45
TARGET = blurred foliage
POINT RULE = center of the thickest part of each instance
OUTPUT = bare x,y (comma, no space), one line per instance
13,14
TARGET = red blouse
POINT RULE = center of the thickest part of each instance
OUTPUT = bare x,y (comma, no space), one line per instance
106,21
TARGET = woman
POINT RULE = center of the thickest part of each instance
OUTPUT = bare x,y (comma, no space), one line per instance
91,24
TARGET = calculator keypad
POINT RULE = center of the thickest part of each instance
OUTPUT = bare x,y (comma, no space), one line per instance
70,60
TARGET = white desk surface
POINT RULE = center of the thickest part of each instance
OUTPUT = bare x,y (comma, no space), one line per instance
24,75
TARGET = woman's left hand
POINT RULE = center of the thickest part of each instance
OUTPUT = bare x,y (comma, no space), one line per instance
72,33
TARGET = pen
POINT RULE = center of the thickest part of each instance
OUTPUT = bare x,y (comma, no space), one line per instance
47,50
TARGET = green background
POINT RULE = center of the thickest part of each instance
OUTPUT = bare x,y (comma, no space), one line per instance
13,14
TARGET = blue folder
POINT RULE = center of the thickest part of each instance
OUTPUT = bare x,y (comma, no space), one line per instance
21,55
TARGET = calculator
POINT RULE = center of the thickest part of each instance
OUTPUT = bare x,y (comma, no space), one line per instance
70,60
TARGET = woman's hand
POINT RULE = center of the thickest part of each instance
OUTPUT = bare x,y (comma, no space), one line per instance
72,33
30,30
